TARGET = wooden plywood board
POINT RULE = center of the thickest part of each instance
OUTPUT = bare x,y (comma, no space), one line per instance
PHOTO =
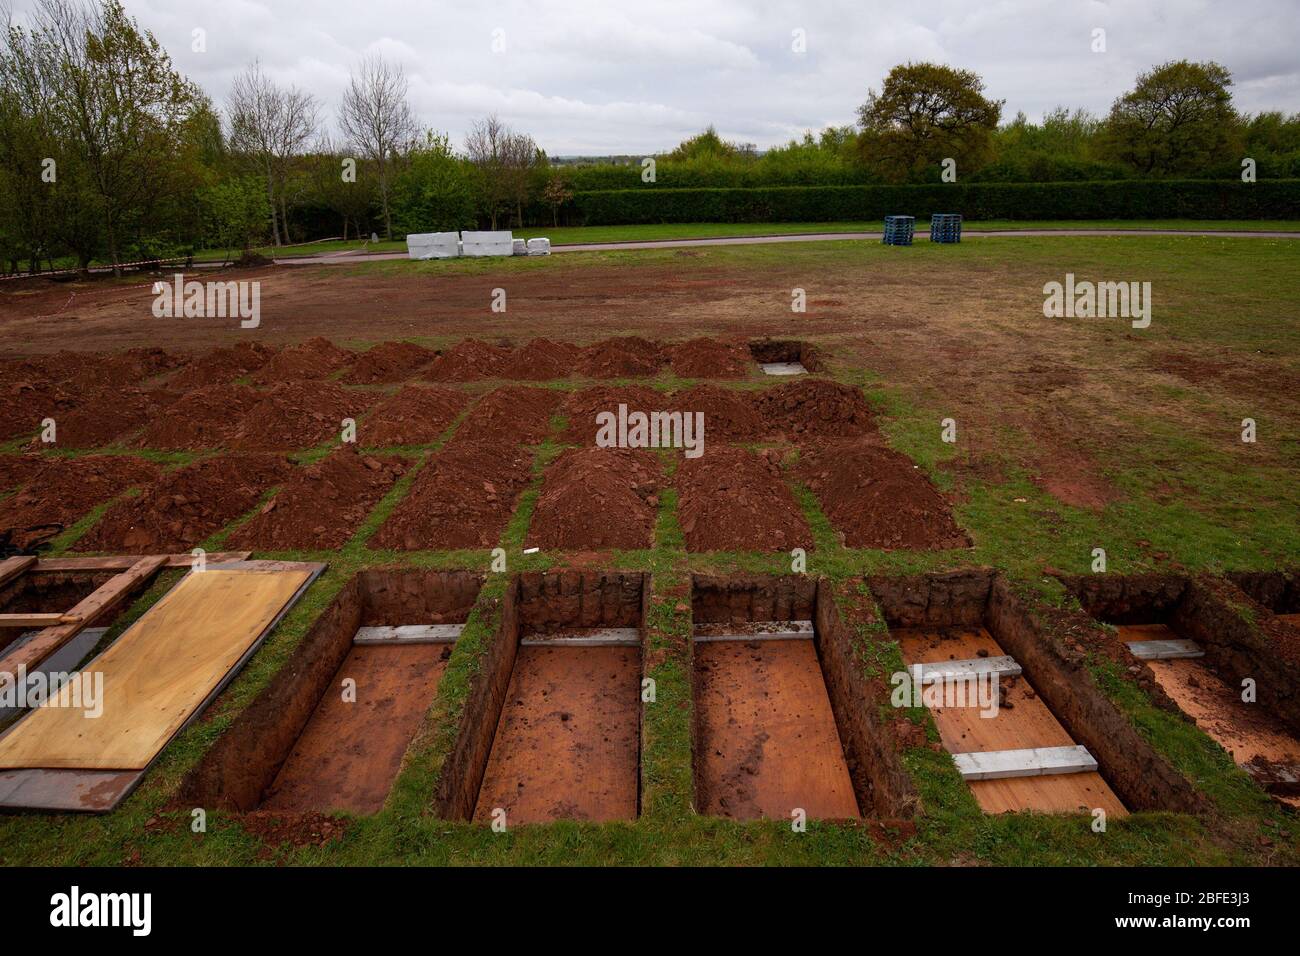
768,739
159,672
1026,723
88,791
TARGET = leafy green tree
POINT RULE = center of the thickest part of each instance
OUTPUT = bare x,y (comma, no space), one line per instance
1177,120
236,212
436,192
926,113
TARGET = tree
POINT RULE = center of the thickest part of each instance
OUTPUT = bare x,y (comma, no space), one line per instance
377,120
556,193
435,193
123,110
1177,120
350,198
926,113
269,126
236,211
486,146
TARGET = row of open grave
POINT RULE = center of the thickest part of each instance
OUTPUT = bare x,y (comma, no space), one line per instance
250,394
785,720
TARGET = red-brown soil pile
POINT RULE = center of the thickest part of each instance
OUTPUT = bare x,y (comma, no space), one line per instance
321,506
184,507
468,361
730,414
510,415
124,368
221,366
25,402
16,469
63,490
389,362
463,498
541,360
299,415
816,407
315,359
625,357
581,407
877,498
207,417
416,415
710,358
109,415
731,499
596,498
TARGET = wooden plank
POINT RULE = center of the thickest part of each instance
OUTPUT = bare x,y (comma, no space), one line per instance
1027,762
106,597
125,561
1027,723
1165,650
1003,665
598,637
409,634
37,619
86,791
158,673
10,568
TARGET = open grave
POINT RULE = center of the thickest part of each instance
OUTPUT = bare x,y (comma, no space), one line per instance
89,746
784,357
330,730
1053,742
1237,675
1277,591
782,718
552,728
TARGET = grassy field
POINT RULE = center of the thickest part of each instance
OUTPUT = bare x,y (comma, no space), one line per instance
972,343
707,230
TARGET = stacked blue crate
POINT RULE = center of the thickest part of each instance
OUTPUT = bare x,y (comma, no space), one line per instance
898,230
945,227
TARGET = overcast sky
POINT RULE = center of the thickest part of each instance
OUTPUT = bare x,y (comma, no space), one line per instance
613,76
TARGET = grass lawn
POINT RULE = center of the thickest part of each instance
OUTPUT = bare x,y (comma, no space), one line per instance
703,230
970,342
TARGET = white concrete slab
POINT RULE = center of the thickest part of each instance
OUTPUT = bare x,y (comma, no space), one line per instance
1164,650
409,634
783,368
487,243
593,637
1031,762
541,246
1003,666
433,245
756,631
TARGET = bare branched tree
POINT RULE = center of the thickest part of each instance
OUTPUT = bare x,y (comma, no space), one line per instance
377,121
269,126
505,160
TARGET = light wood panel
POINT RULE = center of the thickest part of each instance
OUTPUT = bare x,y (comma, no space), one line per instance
157,673
1022,720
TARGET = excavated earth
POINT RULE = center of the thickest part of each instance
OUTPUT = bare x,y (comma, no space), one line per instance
595,498
62,490
415,415
731,499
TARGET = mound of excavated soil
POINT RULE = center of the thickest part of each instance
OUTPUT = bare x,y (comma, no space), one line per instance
299,415
710,358
315,359
877,498
183,507
207,417
581,407
816,407
64,490
463,498
16,469
220,366
596,498
729,414
111,414
124,368
389,362
26,402
624,357
731,499
468,361
540,360
512,414
321,506
416,415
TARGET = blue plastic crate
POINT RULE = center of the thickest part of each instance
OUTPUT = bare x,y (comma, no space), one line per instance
899,230
945,227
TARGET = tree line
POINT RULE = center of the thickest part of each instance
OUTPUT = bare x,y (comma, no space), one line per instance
109,154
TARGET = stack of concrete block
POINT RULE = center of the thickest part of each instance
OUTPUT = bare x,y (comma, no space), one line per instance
433,245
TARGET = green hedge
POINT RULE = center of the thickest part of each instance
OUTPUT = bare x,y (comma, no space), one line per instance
1123,199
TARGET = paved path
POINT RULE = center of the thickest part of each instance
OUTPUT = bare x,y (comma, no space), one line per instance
344,257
